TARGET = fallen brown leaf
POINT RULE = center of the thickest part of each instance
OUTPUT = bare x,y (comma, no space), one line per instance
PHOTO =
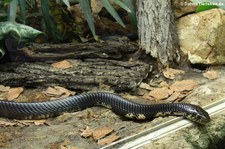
62,64
171,73
185,85
173,97
108,140
183,95
58,91
147,97
14,93
211,74
101,132
65,91
160,93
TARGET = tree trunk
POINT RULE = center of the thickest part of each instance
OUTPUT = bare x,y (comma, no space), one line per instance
157,31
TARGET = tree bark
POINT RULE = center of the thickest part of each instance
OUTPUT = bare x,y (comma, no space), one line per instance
118,48
86,74
157,31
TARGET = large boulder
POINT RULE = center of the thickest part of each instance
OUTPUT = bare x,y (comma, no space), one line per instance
202,36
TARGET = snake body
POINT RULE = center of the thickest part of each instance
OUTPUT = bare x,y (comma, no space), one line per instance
119,105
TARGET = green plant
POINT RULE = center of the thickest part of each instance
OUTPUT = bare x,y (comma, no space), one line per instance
49,22
85,6
19,32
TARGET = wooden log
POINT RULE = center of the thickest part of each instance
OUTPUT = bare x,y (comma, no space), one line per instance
112,49
83,75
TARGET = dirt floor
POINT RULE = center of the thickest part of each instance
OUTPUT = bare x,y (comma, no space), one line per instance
93,127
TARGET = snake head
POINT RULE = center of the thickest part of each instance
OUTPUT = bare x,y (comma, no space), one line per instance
197,114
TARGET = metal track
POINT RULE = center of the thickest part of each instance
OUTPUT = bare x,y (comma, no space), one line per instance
142,138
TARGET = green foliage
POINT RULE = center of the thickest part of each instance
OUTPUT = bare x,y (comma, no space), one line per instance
19,32
88,15
112,11
85,6
49,22
132,13
125,4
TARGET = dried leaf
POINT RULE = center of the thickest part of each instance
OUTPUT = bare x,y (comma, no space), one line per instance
160,93
101,132
52,92
58,91
211,74
14,93
65,91
147,97
108,140
173,97
171,73
87,132
4,88
185,85
62,64
145,86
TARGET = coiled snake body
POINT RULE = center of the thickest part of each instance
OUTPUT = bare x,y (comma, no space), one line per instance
119,105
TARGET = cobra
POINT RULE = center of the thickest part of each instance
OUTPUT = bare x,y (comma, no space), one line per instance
119,105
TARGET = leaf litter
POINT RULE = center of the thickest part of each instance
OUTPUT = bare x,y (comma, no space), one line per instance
57,91
102,135
62,64
171,93
170,73
211,74
14,93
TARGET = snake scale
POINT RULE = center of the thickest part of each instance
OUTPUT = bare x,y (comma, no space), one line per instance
119,105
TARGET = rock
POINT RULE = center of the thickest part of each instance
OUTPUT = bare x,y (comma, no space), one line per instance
183,7
202,36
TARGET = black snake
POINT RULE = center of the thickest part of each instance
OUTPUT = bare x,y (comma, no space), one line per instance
119,105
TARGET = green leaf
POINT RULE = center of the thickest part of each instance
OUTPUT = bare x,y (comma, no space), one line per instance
12,10
7,1
132,14
49,22
112,11
22,5
2,51
5,28
205,7
19,32
88,15
122,5
66,2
